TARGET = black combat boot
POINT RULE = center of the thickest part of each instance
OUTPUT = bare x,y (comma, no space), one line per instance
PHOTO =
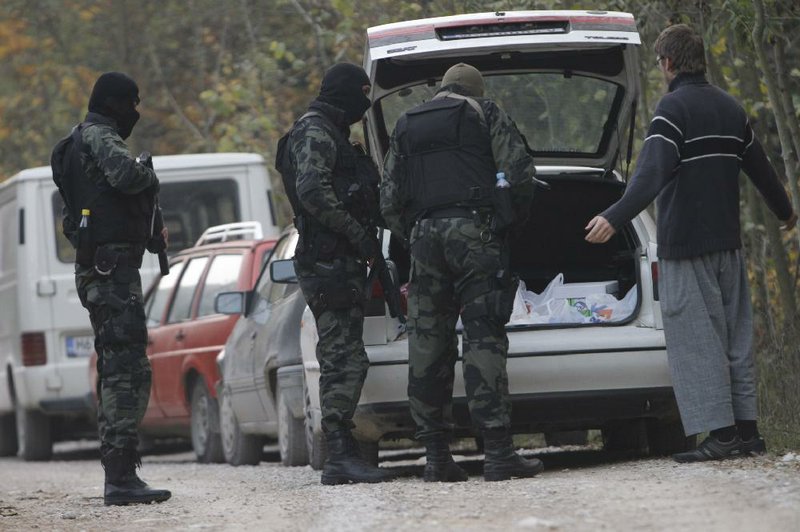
502,462
345,465
123,485
439,463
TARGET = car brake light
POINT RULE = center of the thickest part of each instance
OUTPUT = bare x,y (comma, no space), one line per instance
34,349
654,271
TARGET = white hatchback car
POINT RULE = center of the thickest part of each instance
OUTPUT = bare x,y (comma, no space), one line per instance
570,80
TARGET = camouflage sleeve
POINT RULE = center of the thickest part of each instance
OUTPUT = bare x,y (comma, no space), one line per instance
511,157
314,155
392,199
115,161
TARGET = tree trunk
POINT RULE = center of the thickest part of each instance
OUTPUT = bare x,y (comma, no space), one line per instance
789,160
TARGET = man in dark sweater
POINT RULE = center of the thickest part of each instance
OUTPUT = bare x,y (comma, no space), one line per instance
698,141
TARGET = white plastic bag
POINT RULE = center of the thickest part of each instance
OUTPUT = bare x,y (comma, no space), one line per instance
521,309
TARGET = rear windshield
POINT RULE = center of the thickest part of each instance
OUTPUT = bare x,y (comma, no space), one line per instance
189,208
558,114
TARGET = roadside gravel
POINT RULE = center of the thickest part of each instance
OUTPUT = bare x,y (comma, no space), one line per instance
579,490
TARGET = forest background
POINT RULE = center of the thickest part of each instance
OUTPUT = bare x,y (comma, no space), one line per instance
232,75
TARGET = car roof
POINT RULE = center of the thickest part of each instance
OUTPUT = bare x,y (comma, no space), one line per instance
164,162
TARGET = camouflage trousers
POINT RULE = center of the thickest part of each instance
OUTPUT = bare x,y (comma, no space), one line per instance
335,293
115,308
458,267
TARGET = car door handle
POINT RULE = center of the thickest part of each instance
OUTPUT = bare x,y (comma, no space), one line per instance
180,336
253,335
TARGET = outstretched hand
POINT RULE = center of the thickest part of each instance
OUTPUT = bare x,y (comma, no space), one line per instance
600,231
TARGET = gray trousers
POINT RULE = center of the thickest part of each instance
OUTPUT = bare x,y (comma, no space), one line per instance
708,324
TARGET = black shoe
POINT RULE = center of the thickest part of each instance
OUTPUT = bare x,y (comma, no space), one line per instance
439,463
136,492
754,446
501,462
711,449
345,465
122,485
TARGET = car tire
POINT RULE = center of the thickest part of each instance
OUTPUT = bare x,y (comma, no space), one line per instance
8,435
315,440
566,437
665,438
239,448
625,436
206,439
34,437
291,434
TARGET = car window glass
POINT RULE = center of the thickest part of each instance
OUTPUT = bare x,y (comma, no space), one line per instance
182,303
558,114
159,296
223,276
188,209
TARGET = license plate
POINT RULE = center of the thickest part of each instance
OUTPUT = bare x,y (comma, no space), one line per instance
80,346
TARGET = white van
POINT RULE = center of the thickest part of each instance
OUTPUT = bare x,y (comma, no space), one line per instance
45,334
570,80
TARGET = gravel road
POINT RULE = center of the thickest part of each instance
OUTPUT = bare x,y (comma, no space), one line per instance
581,489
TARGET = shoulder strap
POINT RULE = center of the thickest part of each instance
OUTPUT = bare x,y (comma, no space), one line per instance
472,103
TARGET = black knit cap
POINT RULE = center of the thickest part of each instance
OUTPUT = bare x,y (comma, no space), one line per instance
342,87
112,85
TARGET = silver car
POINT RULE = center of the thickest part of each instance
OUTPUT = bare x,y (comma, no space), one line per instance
261,390
570,79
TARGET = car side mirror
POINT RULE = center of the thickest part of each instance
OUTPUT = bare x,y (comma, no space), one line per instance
229,303
282,271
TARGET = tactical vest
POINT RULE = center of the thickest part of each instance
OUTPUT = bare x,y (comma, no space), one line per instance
115,217
355,183
448,155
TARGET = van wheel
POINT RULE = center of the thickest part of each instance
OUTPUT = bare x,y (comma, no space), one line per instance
239,448
316,447
206,440
667,437
8,435
34,439
291,434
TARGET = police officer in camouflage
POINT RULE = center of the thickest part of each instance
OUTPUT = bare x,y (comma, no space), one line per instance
438,193
337,241
114,194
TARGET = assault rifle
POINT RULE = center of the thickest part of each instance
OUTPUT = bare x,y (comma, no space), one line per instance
156,239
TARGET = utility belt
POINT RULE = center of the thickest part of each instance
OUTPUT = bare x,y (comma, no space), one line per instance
107,258
451,211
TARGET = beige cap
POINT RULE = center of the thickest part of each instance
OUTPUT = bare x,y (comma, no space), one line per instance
467,76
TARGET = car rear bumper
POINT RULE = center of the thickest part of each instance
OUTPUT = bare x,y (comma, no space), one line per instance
532,412
582,379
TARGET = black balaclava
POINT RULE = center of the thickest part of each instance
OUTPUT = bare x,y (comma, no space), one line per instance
342,88
123,92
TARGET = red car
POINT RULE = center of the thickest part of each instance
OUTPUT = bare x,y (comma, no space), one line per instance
185,334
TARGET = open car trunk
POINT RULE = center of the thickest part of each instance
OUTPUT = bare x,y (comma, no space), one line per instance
552,244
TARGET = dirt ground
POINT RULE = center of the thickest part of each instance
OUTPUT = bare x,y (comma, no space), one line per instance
581,489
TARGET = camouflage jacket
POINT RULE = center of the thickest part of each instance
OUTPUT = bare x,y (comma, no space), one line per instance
315,157
508,149
110,159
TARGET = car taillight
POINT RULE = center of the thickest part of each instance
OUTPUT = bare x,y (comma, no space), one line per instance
34,349
654,271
